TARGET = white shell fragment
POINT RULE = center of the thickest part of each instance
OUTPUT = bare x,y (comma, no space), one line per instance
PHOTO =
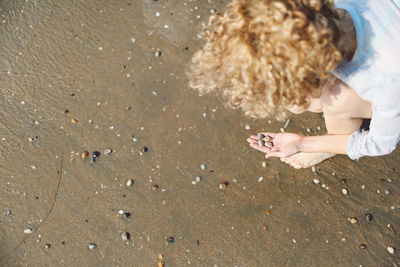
28,231
260,179
203,166
316,181
391,250
345,191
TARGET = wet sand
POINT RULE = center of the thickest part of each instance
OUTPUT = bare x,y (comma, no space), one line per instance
95,75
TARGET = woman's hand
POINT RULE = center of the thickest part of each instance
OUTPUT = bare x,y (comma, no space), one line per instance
284,144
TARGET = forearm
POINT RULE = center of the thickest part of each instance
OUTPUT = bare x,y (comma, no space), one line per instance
326,143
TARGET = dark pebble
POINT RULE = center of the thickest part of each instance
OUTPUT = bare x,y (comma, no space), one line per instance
126,215
170,239
144,149
95,155
369,217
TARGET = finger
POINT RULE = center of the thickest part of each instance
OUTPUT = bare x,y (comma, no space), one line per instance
276,154
260,148
270,134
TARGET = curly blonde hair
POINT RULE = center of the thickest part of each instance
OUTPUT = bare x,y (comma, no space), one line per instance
268,54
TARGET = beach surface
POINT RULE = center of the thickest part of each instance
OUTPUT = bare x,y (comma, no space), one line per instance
107,77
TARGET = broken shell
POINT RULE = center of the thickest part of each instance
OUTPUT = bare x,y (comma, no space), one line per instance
345,191
267,212
160,264
265,227
363,246
154,187
160,256
84,154
316,181
73,120
47,245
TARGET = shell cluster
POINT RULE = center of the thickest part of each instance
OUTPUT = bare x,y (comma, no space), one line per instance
265,141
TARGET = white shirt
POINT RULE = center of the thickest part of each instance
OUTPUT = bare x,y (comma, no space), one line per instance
374,73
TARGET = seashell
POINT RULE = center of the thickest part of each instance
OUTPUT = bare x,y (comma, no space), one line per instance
130,182
261,142
28,231
154,187
92,246
369,217
363,246
260,136
391,250
223,185
95,155
353,220
47,245
268,144
125,236
108,151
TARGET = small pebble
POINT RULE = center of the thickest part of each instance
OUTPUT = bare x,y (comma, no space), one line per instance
47,245
28,231
264,164
316,181
170,239
126,215
267,212
92,246
391,250
203,166
198,179
126,236
223,185
260,179
130,182
345,191
84,154
247,127
265,227
363,246
73,120
108,151
154,187
387,192
34,167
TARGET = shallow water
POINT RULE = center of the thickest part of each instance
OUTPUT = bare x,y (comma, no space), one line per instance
95,62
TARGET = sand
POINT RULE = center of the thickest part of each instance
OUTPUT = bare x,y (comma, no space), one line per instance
95,75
